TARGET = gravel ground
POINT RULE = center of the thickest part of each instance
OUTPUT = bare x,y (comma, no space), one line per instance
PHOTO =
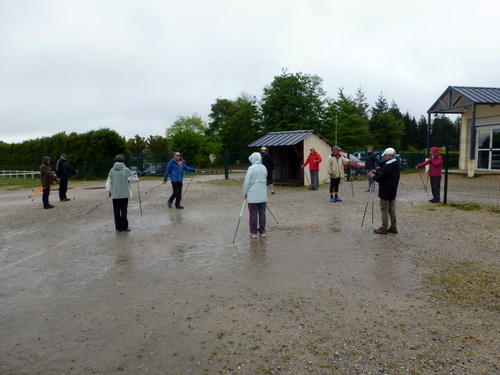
319,295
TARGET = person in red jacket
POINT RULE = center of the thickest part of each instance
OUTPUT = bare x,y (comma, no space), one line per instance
313,160
435,162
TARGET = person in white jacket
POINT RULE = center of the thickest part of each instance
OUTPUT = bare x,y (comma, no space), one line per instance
255,192
336,164
118,186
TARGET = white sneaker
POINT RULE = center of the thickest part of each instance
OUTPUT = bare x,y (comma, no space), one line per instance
253,235
262,234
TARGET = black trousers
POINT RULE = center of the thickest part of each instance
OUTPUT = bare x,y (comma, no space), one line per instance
177,193
334,185
45,195
436,189
63,188
120,211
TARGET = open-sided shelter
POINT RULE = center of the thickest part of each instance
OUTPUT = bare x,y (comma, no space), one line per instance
289,150
479,108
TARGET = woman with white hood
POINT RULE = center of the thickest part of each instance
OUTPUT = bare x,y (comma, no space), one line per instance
255,192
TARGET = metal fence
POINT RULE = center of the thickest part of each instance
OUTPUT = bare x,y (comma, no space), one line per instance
482,189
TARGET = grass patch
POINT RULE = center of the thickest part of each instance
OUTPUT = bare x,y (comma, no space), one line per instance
466,206
466,284
19,183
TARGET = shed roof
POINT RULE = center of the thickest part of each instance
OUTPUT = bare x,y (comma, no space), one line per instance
282,138
455,98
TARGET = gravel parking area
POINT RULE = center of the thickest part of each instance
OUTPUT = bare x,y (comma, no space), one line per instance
319,295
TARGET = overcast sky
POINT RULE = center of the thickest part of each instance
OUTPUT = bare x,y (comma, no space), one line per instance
135,66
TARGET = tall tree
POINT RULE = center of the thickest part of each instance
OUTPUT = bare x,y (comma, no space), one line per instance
388,131
411,136
235,122
193,123
157,144
362,102
136,145
293,102
443,128
345,117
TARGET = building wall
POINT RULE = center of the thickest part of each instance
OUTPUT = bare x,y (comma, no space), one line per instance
324,149
486,115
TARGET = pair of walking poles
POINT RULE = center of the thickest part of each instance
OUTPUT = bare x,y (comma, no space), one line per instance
241,214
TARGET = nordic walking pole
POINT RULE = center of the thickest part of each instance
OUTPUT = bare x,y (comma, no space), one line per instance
370,196
183,194
305,175
38,191
272,214
36,195
150,190
99,204
74,186
425,186
241,214
139,194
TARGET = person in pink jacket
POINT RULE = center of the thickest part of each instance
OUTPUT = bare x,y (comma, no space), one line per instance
313,160
435,162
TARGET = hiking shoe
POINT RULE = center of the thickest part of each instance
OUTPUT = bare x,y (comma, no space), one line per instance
48,206
273,192
65,199
392,230
262,234
127,230
337,199
332,199
179,207
169,204
253,235
380,231
311,188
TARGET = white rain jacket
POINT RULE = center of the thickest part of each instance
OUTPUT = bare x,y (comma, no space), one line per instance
254,187
118,182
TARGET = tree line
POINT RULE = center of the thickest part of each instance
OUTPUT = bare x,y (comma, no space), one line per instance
292,101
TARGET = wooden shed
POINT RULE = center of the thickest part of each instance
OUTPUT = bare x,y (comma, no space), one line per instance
289,150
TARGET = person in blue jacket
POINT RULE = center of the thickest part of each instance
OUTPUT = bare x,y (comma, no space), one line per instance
175,170
255,192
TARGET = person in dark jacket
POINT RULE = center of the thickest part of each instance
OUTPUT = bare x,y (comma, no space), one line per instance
62,171
175,170
267,161
388,180
435,162
371,163
46,178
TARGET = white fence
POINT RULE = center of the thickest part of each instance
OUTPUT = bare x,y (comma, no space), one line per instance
18,174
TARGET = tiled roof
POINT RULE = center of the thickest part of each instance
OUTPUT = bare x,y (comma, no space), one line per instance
282,138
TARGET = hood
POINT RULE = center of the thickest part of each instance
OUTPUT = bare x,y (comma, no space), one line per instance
118,166
255,158
45,160
435,150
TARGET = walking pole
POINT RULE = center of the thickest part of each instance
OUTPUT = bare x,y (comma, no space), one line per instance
425,186
308,182
38,191
183,194
139,194
370,195
272,214
241,214
99,204
150,190
74,186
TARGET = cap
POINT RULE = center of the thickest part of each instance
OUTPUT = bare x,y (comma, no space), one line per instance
263,149
64,155
336,148
389,151
177,153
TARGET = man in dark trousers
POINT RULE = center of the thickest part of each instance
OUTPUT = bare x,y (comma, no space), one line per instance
62,171
388,180
175,170
267,161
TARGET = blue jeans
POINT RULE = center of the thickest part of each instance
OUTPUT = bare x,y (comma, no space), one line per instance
314,179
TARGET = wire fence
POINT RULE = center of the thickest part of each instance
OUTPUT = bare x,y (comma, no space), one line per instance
483,187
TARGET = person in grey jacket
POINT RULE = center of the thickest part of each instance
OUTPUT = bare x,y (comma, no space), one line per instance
255,192
118,186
